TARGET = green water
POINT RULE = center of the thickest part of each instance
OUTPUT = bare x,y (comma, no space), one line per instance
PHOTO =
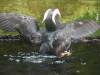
85,60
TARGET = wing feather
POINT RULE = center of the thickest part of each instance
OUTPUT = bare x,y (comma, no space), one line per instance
83,28
9,22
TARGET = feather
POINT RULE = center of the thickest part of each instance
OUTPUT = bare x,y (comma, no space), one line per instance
83,28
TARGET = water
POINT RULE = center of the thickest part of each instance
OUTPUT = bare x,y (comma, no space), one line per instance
85,60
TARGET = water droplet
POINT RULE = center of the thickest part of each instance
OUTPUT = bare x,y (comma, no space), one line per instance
77,71
59,62
5,55
17,60
11,56
83,63
11,59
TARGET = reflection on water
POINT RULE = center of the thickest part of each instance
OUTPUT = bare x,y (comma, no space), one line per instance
85,60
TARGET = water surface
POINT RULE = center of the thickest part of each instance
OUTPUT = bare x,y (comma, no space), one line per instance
85,60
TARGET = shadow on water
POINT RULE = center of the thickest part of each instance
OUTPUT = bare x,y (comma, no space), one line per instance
85,60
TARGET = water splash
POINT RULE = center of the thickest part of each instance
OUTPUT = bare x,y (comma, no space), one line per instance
33,57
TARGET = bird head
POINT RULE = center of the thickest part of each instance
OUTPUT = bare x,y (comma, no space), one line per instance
51,14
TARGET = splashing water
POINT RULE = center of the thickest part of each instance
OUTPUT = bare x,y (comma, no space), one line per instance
33,57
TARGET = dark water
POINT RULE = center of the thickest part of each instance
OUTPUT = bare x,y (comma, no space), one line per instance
85,60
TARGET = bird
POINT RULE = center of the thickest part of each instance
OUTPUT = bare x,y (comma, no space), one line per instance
26,26
49,19
59,40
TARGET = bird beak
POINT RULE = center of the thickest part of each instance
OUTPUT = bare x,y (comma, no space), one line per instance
55,12
46,14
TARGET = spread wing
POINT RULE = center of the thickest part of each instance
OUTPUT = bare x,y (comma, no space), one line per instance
13,21
74,30
78,29
84,28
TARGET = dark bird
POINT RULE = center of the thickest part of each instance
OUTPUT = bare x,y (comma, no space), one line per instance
26,26
59,40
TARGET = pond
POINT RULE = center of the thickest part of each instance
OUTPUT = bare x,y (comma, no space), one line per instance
85,60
